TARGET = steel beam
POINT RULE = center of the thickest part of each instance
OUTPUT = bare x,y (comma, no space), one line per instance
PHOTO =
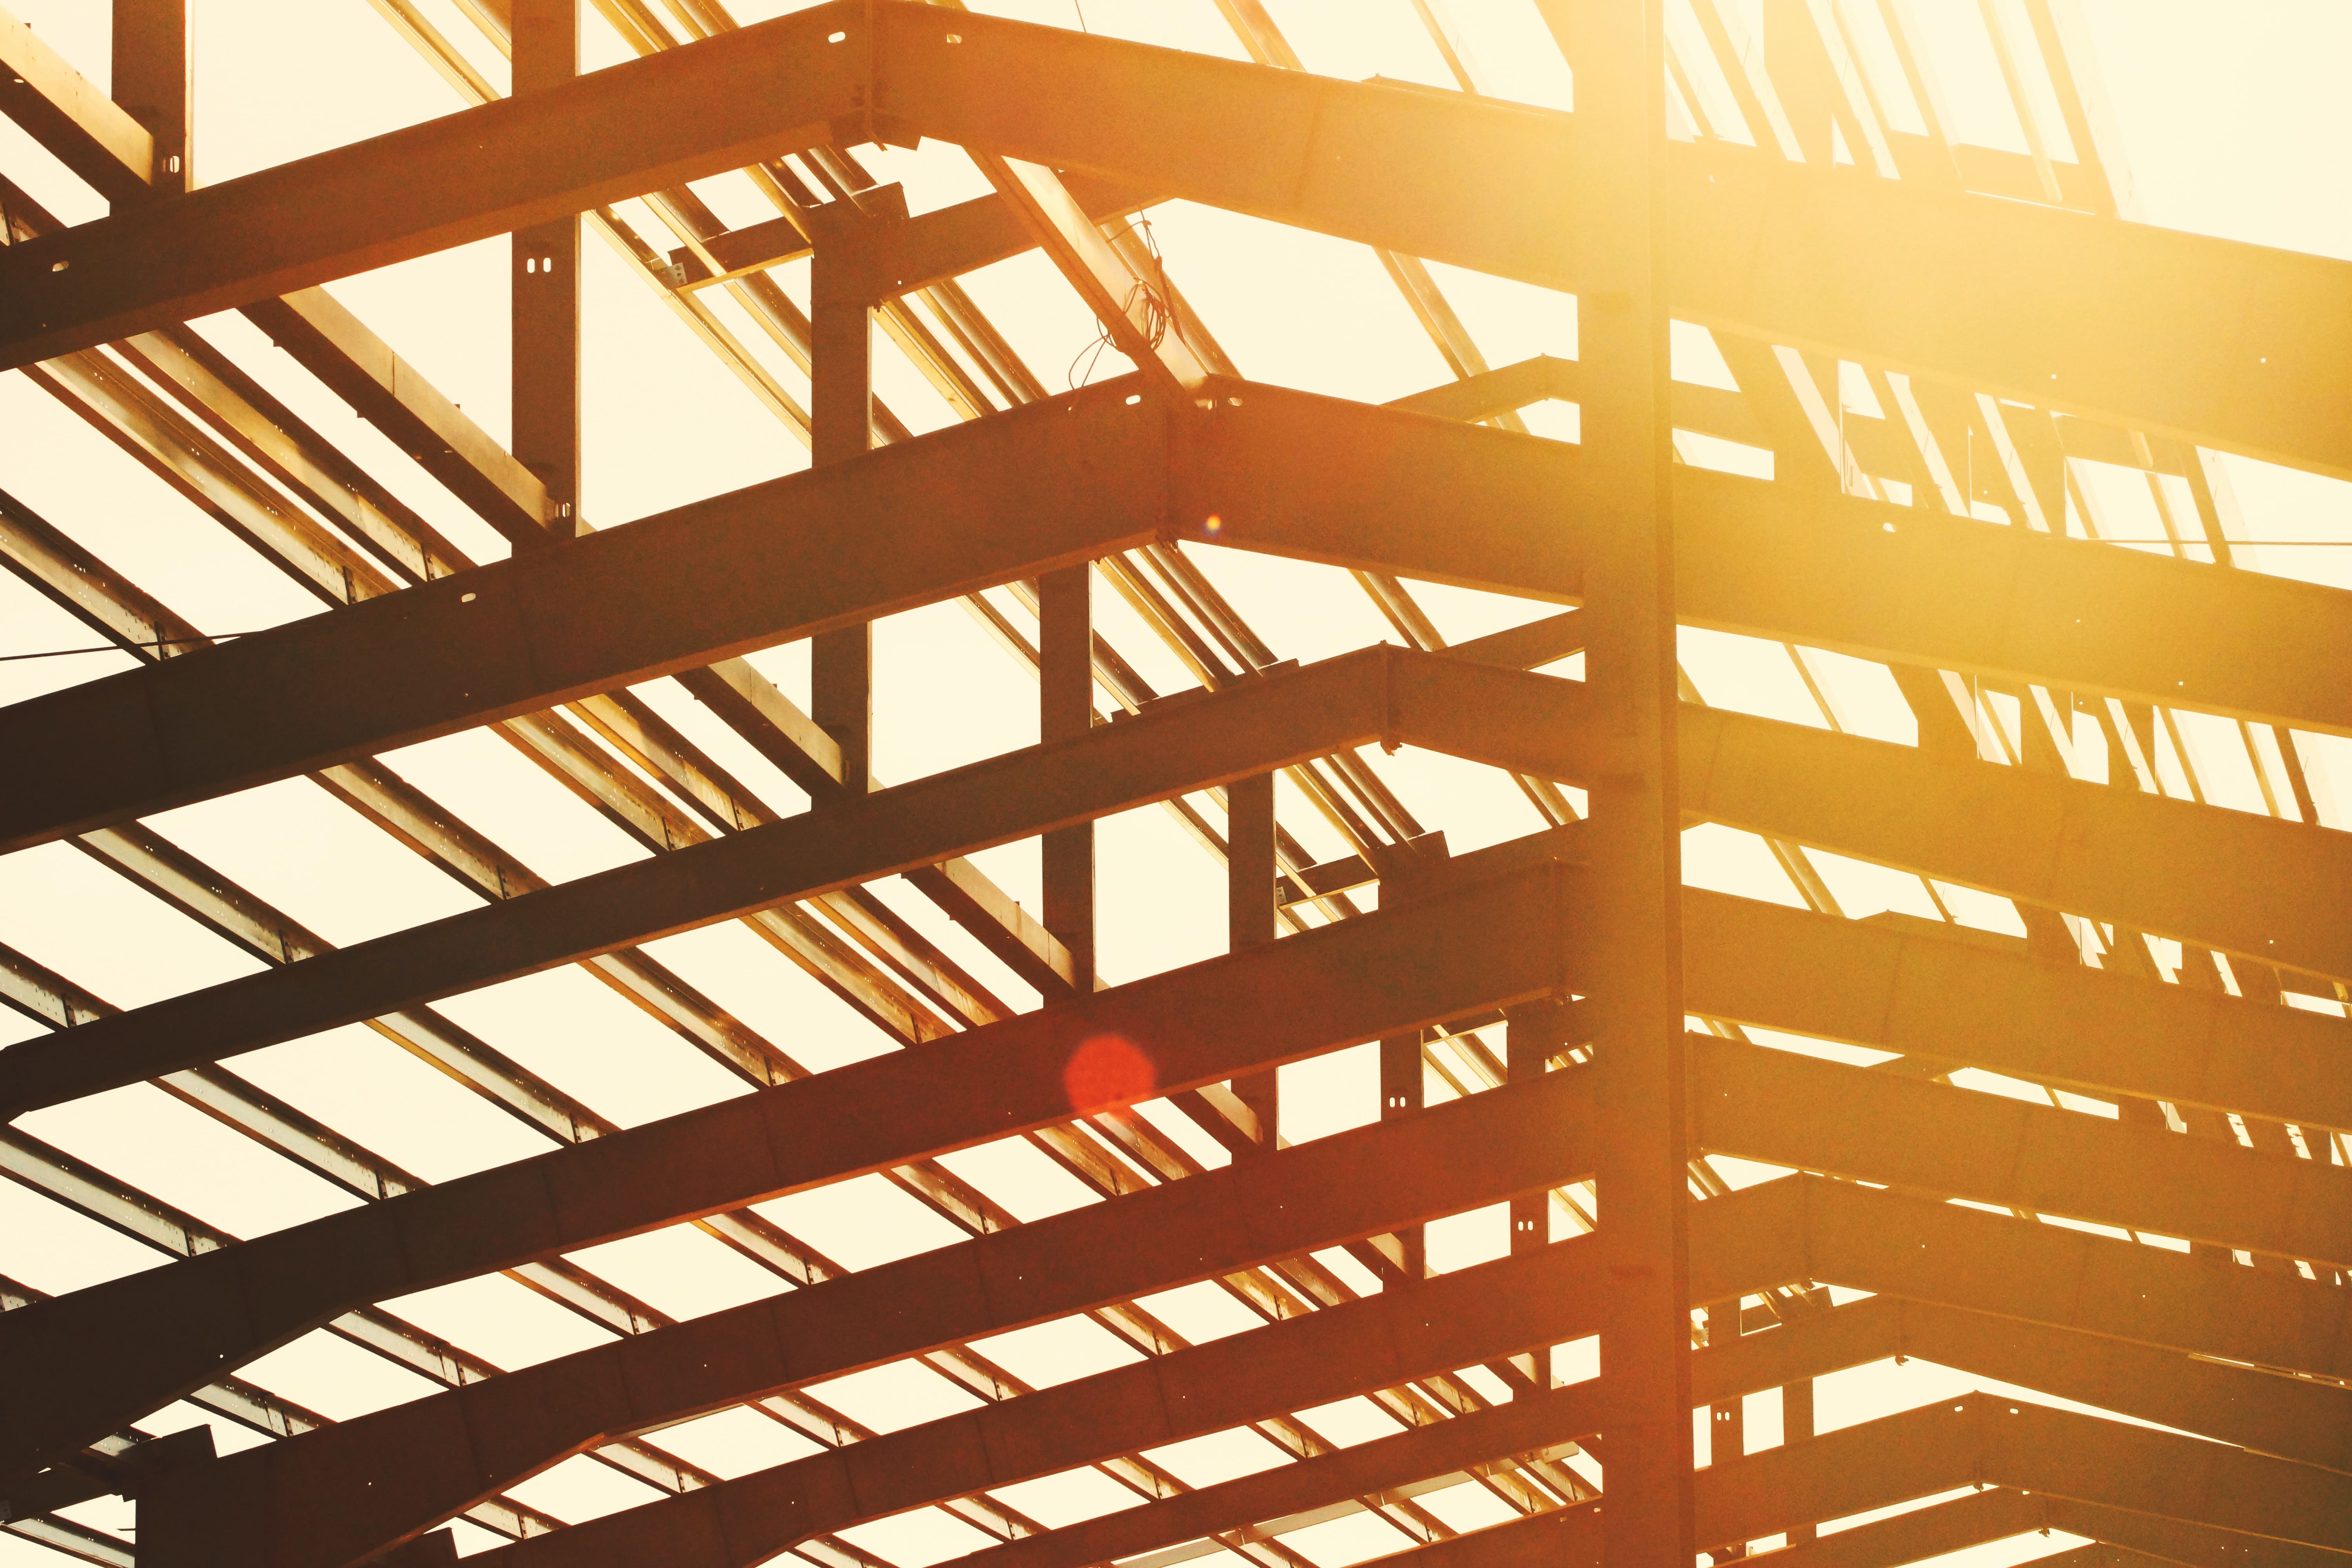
1374,1343
1784,1109
430,1458
2050,841
60,109
512,164
1284,472
1853,1335
153,82
1922,278
455,647
1366,978
544,285
1938,995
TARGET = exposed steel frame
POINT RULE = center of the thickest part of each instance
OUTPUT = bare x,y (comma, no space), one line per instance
1547,982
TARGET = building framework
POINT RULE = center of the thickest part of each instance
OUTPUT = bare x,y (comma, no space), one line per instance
1596,1032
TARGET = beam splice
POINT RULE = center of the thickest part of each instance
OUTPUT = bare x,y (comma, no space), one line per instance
1397,969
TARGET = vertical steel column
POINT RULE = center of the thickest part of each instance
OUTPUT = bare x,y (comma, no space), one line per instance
1067,712
1401,1094
544,283
1533,1034
1616,48
1726,1421
840,423
1795,1426
1249,883
152,84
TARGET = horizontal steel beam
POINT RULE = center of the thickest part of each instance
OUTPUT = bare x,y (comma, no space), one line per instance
1379,1341
2072,1365
1398,969
1283,472
1811,1230
1377,1179
2260,887
1949,1000
1913,277
426,1459
1788,1109
680,115
1919,278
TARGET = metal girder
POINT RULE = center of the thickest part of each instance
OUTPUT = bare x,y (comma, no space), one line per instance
1945,998
88,131
2070,1364
1379,1341
1984,1440
1783,1109
2248,884
1917,278
292,1504
1399,970
1354,486
501,634
1284,472
1809,1228
1920,278
493,169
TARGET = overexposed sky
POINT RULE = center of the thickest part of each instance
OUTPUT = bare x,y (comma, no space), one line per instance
2236,123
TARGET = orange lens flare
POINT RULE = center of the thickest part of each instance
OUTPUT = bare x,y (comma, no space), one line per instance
1107,1071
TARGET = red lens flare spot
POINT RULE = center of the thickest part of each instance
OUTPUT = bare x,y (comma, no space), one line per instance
1107,1071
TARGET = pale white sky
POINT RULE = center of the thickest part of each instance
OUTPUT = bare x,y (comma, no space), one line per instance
2237,125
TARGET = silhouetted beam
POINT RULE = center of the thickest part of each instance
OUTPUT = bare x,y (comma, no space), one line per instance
1399,969
1356,486
1794,1230
1975,1438
2255,885
2077,1366
673,117
1981,1438
1286,473
61,110
1568,1538
1951,1001
1342,1188
1916,277
1783,1109
2250,885
566,621
1807,1228
1370,1343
